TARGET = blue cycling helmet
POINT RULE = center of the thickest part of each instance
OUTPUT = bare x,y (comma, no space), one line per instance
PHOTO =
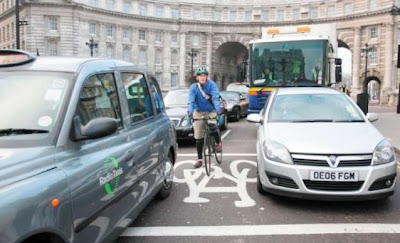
201,71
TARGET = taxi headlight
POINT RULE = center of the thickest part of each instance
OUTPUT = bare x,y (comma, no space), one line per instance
276,152
384,153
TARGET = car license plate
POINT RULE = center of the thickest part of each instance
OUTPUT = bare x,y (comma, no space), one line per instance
333,176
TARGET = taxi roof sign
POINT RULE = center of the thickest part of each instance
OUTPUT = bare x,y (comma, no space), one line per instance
10,58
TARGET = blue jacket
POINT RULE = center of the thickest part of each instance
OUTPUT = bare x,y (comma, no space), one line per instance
199,103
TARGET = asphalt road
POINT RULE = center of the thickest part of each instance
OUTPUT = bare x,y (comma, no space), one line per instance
228,208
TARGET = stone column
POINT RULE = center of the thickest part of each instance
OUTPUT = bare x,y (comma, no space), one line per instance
209,52
356,89
387,79
182,60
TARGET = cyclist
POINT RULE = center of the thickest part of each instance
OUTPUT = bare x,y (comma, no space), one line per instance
204,101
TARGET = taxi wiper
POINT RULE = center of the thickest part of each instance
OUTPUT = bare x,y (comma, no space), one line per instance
19,131
313,120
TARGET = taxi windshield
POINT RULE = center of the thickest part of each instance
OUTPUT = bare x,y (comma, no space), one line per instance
30,102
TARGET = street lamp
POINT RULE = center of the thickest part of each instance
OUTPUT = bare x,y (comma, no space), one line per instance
192,54
365,50
92,44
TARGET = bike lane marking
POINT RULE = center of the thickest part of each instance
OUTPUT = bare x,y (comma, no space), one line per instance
254,230
225,134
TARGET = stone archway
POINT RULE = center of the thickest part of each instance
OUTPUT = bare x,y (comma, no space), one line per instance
229,60
373,87
345,53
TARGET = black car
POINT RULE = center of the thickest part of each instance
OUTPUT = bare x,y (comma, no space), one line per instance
176,103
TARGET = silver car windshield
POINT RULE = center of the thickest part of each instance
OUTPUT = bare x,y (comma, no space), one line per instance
314,108
30,102
177,98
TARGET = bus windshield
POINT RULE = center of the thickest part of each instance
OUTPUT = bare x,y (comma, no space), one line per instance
289,63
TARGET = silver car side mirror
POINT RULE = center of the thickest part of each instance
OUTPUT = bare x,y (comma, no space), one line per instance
372,117
255,118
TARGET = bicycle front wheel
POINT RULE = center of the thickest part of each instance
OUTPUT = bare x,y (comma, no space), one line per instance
207,151
217,155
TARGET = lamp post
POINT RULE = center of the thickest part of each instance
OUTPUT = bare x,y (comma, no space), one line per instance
92,44
192,54
366,51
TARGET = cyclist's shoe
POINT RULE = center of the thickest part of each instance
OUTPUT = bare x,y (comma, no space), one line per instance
218,147
198,164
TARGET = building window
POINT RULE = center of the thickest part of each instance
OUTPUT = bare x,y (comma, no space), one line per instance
159,12
373,56
232,16
127,7
247,16
110,51
280,15
109,31
53,23
52,46
197,14
330,11
296,14
159,77
195,40
265,15
142,35
126,54
142,57
126,33
217,15
174,58
175,13
158,59
92,28
372,4
174,38
110,4
374,32
174,80
314,13
142,9
158,36
348,8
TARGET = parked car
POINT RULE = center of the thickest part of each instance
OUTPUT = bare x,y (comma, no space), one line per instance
237,104
176,103
242,88
85,144
316,143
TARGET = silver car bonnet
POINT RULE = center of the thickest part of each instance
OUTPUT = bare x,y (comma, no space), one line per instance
18,164
325,138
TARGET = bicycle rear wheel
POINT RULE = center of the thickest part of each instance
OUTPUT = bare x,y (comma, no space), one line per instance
218,155
207,153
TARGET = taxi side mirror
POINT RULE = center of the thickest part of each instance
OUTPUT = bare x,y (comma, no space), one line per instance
96,128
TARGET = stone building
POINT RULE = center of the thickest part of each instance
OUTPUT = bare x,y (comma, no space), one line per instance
162,34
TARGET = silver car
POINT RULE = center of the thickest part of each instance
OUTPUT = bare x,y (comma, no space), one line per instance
85,144
316,143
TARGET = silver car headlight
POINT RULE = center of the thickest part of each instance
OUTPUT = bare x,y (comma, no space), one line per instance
230,105
186,122
276,152
384,153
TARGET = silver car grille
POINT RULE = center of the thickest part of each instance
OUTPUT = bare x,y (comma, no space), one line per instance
176,121
332,160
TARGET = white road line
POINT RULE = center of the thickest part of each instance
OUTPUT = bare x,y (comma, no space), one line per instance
228,154
225,134
252,230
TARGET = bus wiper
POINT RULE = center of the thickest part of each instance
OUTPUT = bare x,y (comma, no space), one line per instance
313,120
19,131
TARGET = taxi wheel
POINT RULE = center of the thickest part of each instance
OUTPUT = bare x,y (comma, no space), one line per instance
260,188
168,179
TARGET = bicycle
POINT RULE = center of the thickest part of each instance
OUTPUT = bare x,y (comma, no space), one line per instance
209,145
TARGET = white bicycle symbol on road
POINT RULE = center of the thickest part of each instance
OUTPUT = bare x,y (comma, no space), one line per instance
240,178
